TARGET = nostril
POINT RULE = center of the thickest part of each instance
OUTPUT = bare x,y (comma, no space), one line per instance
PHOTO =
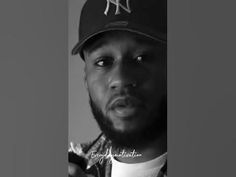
113,87
115,84
123,85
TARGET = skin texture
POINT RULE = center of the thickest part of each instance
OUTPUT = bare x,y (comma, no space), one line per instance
125,75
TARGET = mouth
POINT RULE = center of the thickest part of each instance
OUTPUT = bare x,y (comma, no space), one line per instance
124,107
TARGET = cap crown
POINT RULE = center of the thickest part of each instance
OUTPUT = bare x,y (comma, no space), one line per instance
147,17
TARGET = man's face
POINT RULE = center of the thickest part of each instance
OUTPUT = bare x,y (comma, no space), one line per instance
125,76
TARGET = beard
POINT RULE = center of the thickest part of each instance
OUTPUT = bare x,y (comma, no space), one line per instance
138,138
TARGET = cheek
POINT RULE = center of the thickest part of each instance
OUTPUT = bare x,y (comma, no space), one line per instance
156,78
156,87
97,90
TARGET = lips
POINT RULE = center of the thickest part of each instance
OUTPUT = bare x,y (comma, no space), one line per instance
125,106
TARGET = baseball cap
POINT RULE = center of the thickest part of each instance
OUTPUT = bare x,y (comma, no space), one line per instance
144,17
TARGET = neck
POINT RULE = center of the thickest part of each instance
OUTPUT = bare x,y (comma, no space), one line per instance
145,153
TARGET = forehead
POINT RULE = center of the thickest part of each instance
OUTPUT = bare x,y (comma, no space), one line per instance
119,36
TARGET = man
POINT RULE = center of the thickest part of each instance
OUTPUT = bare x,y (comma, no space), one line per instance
124,45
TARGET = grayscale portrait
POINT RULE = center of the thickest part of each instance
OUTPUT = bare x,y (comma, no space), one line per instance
118,88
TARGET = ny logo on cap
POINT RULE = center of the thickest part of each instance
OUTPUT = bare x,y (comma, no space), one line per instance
118,6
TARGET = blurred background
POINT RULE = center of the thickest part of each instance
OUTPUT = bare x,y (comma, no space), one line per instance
82,126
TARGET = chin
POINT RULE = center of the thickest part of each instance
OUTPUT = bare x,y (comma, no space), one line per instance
128,126
132,132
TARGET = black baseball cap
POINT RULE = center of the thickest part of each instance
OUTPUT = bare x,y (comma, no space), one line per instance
144,17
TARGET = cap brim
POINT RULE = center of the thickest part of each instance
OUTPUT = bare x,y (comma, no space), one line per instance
78,47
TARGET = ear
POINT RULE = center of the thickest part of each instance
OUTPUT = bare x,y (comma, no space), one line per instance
85,79
85,82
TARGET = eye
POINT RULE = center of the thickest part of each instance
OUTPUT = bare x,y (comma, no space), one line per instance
141,58
144,58
104,62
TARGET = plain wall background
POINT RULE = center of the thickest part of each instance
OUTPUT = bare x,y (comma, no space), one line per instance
201,88
82,126
33,88
34,94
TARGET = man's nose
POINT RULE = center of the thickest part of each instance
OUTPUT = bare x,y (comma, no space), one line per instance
121,77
